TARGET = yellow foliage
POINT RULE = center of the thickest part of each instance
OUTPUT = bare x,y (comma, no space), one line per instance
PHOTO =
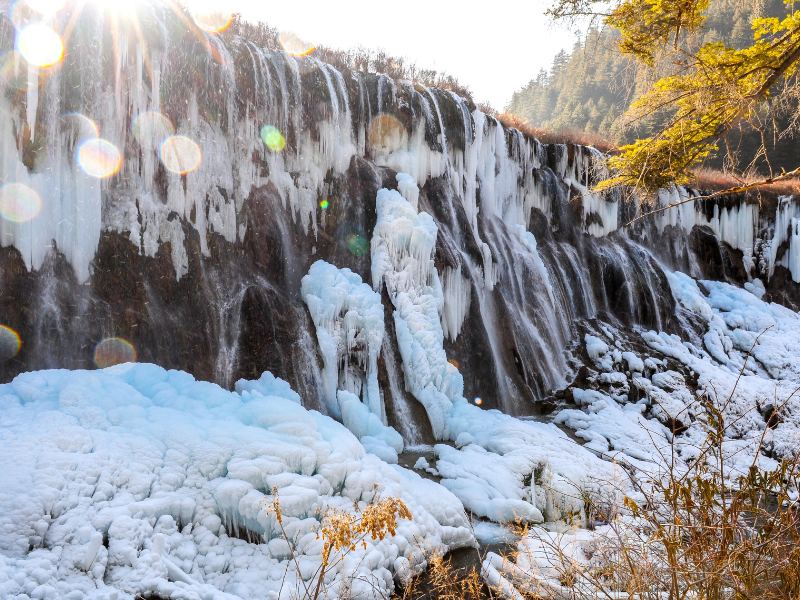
716,89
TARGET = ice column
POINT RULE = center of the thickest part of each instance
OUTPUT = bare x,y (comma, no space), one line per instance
403,244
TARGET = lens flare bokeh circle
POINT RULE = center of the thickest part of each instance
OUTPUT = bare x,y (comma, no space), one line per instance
114,351
10,343
357,244
151,128
209,16
273,138
19,203
478,401
324,204
39,45
385,133
295,46
180,154
79,126
99,158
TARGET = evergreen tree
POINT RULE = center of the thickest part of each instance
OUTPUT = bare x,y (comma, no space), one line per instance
657,50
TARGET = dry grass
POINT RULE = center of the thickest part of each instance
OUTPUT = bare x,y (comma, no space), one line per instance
562,136
712,180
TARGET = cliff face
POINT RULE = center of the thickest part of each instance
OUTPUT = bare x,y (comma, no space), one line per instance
202,270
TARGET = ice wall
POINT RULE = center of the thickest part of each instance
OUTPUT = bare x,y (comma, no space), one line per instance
764,235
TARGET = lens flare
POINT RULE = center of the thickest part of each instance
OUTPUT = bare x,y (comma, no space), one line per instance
40,45
180,154
45,7
10,343
294,46
19,203
386,133
99,158
324,204
80,126
208,15
114,351
152,128
357,244
273,138
478,401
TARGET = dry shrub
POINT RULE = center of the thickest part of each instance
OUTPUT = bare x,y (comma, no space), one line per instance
716,534
342,532
561,136
443,581
712,180
701,532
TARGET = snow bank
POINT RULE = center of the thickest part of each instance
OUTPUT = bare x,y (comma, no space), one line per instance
508,470
747,363
135,481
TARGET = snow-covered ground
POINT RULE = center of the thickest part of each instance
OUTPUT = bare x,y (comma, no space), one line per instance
135,481
745,362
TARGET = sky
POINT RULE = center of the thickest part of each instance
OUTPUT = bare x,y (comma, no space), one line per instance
494,47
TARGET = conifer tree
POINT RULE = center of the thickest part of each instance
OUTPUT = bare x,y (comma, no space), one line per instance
713,88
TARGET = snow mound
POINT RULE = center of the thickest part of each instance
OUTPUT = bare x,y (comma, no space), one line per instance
138,481
748,361
509,470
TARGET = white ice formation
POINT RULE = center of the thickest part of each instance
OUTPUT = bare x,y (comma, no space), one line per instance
137,481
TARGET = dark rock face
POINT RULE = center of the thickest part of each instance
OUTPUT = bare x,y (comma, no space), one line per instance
202,271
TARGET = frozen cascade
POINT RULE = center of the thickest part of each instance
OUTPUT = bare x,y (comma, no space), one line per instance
401,257
225,246
786,232
765,240
348,317
402,249
794,251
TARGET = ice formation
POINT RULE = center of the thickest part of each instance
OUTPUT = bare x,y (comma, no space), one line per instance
501,468
740,226
402,260
348,317
136,481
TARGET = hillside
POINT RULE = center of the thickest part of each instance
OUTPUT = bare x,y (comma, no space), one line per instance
589,88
